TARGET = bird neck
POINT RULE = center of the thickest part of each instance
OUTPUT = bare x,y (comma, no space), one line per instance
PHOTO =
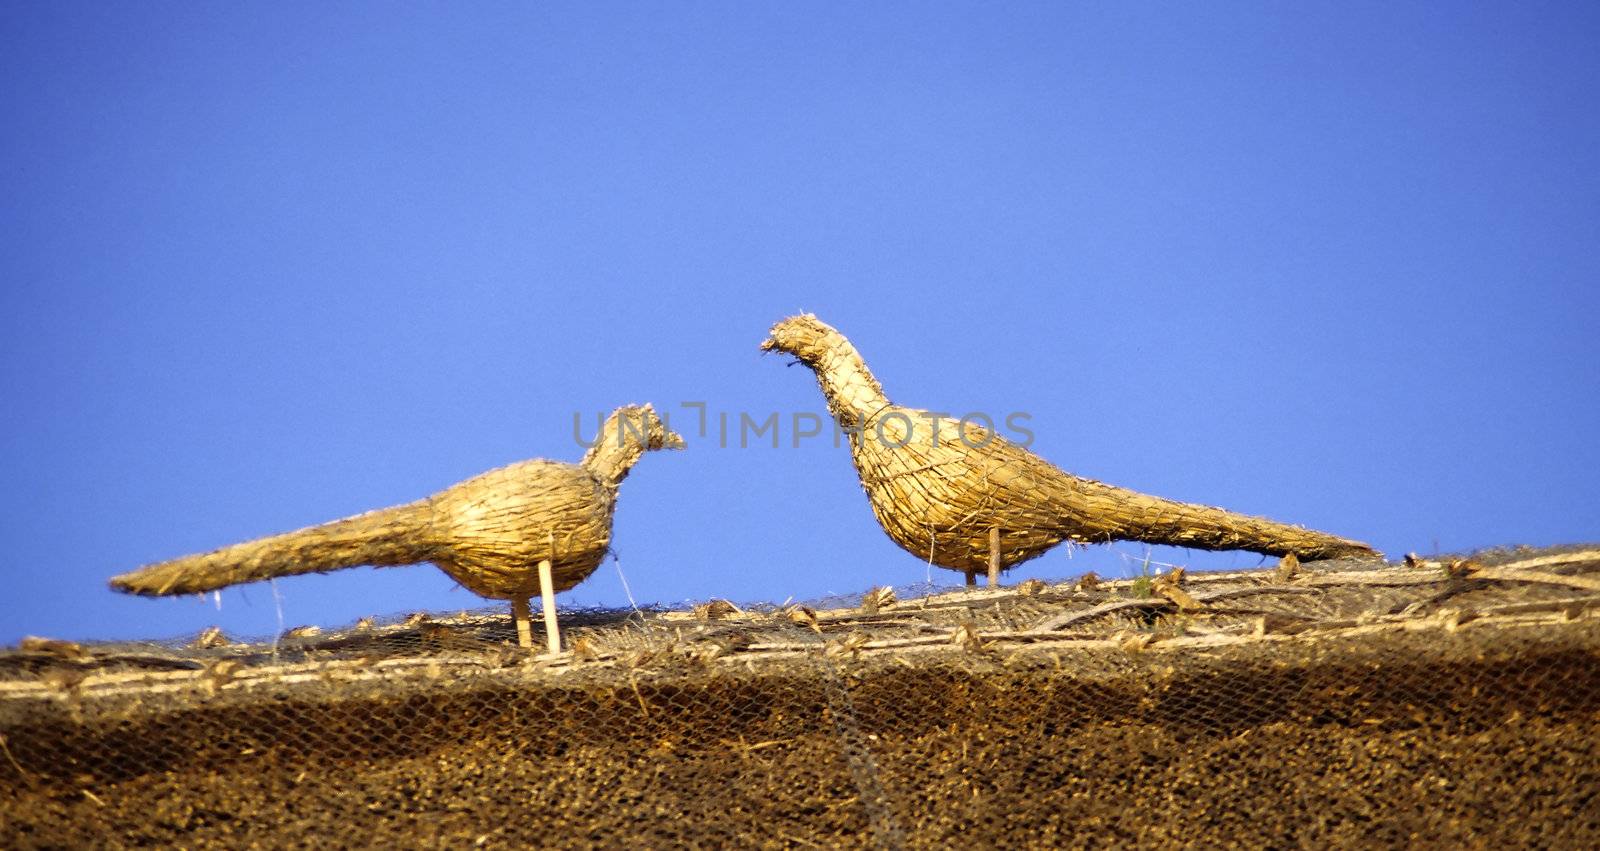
852,393
619,445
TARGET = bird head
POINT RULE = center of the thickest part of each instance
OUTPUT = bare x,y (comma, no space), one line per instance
630,432
806,337
656,433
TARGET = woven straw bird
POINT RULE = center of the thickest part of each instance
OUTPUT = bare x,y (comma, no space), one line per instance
534,527
966,499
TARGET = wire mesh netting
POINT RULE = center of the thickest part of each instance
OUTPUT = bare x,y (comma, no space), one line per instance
1437,700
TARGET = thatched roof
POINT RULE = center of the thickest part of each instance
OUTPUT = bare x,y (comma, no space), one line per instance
1314,701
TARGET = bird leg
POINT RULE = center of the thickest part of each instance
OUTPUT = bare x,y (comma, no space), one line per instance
520,614
547,594
994,557
972,577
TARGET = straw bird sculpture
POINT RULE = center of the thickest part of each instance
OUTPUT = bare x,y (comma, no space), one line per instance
534,527
964,498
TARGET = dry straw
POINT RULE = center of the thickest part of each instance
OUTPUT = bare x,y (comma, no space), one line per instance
1344,703
494,533
964,498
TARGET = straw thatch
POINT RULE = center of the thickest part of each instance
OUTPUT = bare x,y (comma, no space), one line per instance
1346,703
488,532
948,491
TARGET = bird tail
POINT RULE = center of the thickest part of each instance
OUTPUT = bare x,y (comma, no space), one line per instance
1153,520
389,536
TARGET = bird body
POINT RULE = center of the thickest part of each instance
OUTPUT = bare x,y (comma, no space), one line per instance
963,497
489,533
484,523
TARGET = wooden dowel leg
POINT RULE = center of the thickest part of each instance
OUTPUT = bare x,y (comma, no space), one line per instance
994,557
521,614
547,594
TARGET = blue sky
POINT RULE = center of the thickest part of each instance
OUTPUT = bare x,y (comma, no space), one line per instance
264,265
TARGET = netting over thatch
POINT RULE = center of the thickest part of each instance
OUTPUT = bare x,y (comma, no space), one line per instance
1336,702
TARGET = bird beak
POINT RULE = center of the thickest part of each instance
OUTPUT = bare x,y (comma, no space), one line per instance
674,441
769,345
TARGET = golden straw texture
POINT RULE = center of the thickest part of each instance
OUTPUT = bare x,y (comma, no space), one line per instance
489,532
940,487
